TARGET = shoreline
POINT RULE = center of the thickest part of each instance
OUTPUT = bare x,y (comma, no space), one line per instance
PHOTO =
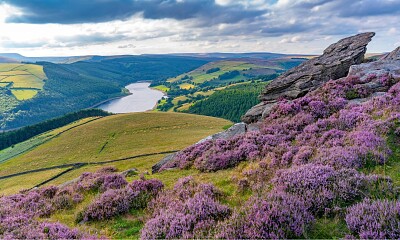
108,100
155,106
115,98
130,93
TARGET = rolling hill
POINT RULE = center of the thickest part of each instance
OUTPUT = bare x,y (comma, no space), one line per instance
102,139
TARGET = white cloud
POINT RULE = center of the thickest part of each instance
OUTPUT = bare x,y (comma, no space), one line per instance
286,26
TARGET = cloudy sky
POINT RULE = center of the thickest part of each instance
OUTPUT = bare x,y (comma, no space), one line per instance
106,27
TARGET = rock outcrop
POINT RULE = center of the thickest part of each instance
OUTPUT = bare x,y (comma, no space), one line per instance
395,55
155,168
334,63
236,129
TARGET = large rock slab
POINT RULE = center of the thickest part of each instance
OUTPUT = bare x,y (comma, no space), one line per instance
392,56
236,129
170,157
334,63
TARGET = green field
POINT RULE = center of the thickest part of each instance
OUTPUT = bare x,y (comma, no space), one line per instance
162,88
25,146
200,74
108,138
24,94
186,86
23,80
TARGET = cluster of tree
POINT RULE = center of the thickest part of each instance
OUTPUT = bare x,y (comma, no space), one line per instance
212,70
230,103
267,77
186,77
166,105
229,75
8,139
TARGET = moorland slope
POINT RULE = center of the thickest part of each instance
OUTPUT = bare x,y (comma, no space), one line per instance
318,165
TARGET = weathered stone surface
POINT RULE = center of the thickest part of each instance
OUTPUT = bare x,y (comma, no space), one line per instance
166,159
254,113
394,55
69,183
334,63
236,129
387,68
130,172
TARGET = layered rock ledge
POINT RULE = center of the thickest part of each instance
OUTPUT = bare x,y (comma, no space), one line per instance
334,63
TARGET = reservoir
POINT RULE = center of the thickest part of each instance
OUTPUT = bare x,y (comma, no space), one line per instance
142,98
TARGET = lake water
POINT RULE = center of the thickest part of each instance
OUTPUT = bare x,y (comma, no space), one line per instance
142,98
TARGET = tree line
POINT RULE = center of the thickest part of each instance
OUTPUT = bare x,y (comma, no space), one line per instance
10,138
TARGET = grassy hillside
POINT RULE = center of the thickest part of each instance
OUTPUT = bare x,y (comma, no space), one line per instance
108,138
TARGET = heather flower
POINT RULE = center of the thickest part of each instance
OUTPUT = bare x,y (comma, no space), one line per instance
190,210
66,198
322,186
101,180
113,181
278,216
115,202
375,219
111,203
318,108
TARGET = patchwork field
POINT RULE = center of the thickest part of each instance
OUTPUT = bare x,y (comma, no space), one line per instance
108,138
212,71
186,86
23,80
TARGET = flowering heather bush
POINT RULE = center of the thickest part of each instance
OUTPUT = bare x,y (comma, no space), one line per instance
115,202
17,221
322,187
111,203
102,180
375,220
190,210
19,213
114,181
66,198
278,216
24,227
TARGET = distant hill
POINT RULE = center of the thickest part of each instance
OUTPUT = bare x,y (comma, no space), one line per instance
16,57
7,60
217,55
